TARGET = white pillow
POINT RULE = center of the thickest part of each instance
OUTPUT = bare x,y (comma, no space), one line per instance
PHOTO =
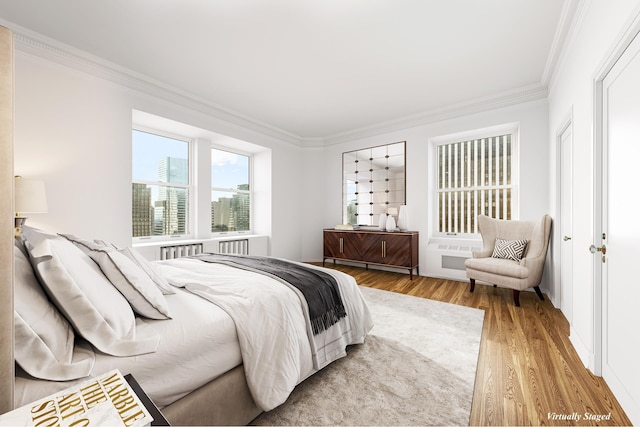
132,282
85,296
161,282
44,340
143,263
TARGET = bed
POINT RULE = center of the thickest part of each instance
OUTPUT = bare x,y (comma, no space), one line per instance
213,340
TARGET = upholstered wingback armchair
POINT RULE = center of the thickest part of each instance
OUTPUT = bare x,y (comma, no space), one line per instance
505,260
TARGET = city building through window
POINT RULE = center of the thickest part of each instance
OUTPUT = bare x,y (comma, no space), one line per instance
474,177
161,185
230,192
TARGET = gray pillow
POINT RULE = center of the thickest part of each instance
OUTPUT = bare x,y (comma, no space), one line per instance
80,290
44,340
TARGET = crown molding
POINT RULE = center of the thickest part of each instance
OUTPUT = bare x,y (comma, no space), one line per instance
49,49
571,20
565,31
52,50
509,98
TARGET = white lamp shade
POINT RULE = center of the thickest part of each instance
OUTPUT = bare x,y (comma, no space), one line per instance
30,196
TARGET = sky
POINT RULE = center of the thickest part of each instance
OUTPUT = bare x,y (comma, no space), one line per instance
230,170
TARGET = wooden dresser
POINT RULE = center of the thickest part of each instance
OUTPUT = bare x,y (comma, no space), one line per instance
391,249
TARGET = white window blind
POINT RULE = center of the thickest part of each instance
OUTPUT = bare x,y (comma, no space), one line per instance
474,178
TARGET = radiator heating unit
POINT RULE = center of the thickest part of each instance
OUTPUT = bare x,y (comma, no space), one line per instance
446,259
236,247
178,251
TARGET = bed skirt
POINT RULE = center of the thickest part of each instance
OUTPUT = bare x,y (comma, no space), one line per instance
223,401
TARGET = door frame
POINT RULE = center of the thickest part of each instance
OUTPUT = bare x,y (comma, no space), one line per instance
614,54
567,123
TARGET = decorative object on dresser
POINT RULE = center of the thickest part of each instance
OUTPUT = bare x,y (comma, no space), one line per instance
391,221
402,218
395,249
382,223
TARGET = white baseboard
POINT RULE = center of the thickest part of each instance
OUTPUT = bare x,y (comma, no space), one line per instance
586,355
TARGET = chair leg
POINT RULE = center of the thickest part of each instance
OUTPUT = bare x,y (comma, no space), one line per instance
473,284
539,292
516,297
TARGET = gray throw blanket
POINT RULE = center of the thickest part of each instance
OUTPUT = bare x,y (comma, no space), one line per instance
318,288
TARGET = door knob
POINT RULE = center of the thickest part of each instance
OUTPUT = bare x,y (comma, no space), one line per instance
593,249
565,238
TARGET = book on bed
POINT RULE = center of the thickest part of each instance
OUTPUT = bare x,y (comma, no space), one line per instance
105,400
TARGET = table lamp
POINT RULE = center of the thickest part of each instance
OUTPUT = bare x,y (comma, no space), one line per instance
30,197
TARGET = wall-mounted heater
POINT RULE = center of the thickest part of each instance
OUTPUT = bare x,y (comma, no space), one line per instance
246,245
180,250
445,258
236,247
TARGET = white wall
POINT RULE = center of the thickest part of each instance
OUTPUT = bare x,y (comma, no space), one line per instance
534,168
73,130
310,203
572,89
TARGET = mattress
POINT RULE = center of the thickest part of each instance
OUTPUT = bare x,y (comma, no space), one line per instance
198,345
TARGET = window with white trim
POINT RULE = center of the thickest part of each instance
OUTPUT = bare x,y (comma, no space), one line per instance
161,186
230,191
474,177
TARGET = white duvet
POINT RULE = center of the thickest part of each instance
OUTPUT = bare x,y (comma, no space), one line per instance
277,350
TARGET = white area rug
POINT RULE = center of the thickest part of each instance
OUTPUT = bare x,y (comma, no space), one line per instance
417,367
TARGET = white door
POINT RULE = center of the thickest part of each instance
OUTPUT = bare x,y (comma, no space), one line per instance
566,229
621,230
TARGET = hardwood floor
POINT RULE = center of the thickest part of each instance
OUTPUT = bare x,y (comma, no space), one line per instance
528,369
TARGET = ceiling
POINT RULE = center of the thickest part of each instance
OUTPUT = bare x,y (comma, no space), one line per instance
314,68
